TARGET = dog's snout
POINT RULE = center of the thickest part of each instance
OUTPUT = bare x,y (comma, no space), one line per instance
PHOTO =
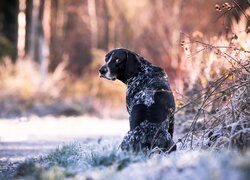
103,70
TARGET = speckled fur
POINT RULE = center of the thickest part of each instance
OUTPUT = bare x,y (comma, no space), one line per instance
147,136
141,90
149,100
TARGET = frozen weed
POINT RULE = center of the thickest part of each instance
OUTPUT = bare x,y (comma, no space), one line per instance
78,158
101,159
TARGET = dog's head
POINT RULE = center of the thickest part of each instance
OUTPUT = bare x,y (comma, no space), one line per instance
120,64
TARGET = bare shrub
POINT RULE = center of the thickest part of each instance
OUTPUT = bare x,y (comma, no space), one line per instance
26,90
221,103
23,79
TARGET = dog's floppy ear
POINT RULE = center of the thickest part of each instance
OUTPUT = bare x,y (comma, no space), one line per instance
107,56
133,64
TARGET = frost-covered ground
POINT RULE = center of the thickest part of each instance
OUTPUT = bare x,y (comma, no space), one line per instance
88,148
101,159
59,128
30,137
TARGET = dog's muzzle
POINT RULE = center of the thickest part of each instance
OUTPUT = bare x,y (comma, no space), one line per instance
102,71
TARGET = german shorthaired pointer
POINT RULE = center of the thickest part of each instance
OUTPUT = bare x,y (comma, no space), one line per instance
149,100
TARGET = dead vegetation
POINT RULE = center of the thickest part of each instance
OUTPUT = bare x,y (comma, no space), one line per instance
222,100
209,74
26,90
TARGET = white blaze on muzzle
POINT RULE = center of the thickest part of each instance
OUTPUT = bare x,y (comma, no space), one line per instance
108,74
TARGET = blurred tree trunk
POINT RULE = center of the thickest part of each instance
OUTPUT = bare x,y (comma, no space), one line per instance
28,13
104,39
39,35
35,35
77,49
9,27
109,24
36,47
175,33
93,22
56,38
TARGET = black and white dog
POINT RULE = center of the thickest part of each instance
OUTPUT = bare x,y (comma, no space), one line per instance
149,100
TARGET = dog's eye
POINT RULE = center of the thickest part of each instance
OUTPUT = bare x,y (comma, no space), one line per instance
117,61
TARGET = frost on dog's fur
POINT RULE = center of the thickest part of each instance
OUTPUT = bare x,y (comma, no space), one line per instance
141,84
149,100
144,86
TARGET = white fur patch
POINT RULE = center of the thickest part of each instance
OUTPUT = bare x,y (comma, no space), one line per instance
145,97
108,75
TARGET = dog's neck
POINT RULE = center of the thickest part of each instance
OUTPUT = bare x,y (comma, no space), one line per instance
145,70
148,71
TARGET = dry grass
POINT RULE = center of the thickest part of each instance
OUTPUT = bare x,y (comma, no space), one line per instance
24,86
25,80
222,97
210,79
100,159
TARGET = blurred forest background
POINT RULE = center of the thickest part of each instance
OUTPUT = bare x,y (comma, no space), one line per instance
50,50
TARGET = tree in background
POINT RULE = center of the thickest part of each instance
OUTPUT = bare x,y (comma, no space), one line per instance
66,30
9,28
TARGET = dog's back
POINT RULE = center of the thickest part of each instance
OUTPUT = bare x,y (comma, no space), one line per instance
149,97
150,102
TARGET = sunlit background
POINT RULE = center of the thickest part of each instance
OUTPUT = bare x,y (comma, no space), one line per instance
51,50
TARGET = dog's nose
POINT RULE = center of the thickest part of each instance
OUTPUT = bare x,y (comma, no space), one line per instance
103,70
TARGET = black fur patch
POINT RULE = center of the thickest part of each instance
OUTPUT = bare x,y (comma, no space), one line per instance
149,100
